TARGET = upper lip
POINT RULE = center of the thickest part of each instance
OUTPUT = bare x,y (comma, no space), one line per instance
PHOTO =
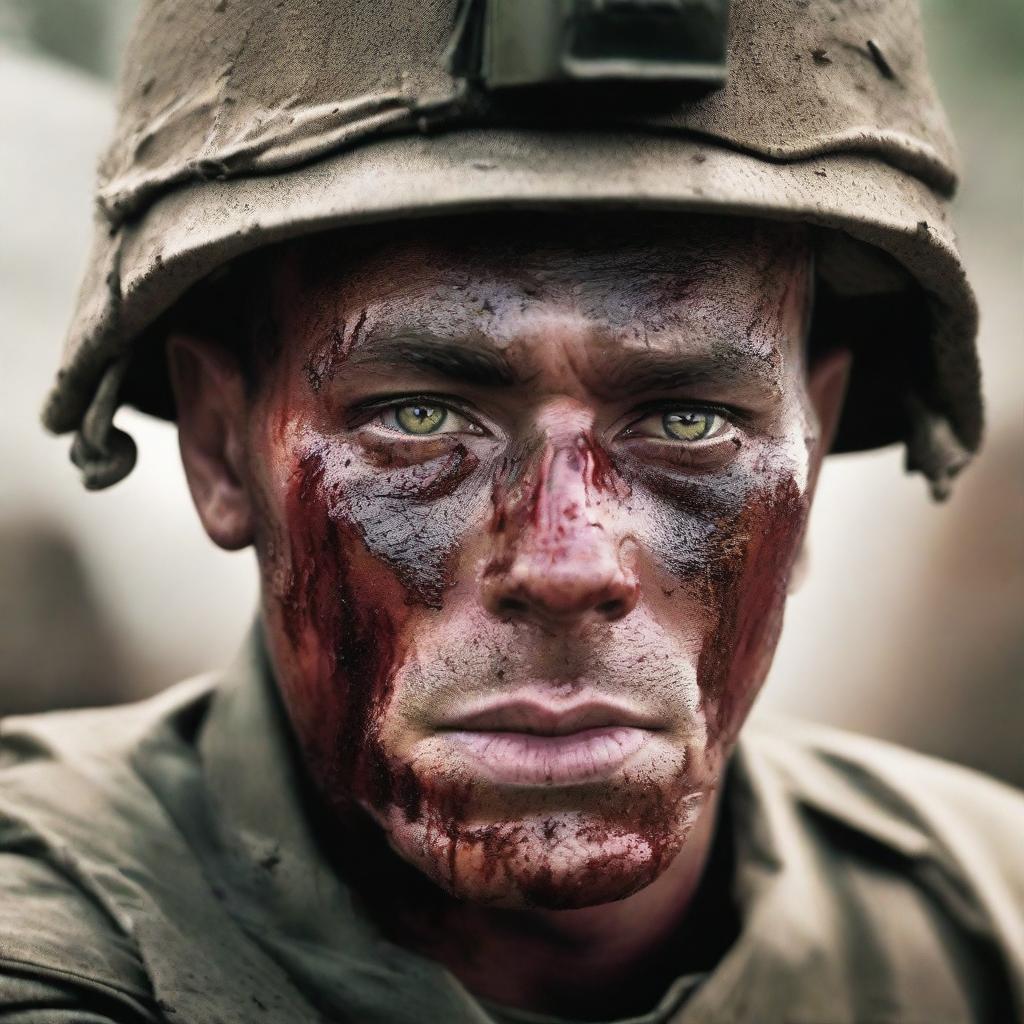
544,719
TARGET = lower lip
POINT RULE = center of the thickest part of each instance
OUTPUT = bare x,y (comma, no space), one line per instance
528,759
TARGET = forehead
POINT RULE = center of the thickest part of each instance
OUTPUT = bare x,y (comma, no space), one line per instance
622,282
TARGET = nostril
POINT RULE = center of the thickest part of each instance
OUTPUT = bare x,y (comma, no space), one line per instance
613,609
511,606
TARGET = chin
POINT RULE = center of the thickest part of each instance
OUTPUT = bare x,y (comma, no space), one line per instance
557,861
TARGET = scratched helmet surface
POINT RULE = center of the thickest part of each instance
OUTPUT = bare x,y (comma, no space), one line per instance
247,122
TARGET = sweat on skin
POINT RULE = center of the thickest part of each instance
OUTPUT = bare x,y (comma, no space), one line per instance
525,502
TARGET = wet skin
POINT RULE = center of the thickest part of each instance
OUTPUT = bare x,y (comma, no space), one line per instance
525,513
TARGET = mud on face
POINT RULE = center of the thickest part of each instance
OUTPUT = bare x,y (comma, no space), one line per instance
550,546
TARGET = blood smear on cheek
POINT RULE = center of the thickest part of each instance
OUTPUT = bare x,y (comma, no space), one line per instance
343,635
747,584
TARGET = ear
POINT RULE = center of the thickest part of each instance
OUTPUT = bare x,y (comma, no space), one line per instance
210,394
827,380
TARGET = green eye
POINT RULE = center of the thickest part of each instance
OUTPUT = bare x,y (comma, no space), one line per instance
691,424
419,418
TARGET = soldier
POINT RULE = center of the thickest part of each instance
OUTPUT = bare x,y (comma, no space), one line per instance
512,335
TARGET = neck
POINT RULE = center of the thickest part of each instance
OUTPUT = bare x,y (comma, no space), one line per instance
611,960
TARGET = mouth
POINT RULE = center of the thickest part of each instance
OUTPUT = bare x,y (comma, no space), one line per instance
532,743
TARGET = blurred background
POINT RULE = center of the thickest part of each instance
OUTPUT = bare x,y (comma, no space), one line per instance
909,624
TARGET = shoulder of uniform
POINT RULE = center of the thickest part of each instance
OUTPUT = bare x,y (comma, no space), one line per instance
70,803
56,938
917,803
69,780
71,736
797,744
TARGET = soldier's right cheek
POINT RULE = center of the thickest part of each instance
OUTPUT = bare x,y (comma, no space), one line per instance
411,517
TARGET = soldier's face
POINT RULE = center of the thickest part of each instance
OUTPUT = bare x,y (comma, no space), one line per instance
525,515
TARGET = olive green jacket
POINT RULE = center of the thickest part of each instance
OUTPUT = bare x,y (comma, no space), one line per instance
155,865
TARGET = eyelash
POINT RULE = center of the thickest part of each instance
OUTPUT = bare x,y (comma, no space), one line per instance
375,408
367,411
729,416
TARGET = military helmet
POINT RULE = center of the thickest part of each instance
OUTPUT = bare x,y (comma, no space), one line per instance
247,122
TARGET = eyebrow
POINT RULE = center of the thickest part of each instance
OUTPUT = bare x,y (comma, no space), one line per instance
634,372
465,361
614,375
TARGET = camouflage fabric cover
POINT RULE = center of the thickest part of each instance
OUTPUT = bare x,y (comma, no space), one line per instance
242,124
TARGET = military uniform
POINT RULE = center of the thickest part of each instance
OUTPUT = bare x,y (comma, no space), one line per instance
158,865
157,860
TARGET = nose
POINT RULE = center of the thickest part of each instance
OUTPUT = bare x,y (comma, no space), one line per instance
555,561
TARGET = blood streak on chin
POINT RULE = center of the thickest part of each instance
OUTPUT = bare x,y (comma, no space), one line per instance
748,582
495,859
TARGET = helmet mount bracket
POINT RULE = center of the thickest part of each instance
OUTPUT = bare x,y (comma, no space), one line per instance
515,44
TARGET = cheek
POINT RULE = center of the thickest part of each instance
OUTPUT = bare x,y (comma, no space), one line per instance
333,625
413,518
725,547
748,585
358,553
